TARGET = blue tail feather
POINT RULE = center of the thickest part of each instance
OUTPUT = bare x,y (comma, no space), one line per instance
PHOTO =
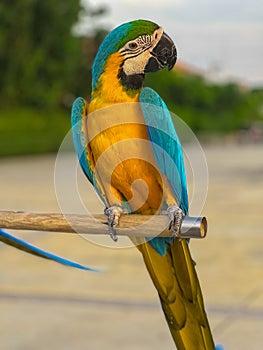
31,249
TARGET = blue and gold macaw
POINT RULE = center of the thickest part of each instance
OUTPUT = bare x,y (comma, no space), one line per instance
129,150
20,244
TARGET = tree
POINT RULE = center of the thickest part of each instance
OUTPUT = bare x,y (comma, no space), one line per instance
40,59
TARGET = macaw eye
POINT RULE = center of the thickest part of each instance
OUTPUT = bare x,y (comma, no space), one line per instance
133,45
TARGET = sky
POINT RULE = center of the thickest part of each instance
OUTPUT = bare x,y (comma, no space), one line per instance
221,38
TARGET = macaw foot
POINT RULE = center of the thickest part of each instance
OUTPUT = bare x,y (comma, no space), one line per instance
114,213
176,216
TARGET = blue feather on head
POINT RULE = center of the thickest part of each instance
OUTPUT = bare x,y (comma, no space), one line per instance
115,40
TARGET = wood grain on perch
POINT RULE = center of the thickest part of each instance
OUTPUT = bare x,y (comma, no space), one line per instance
129,225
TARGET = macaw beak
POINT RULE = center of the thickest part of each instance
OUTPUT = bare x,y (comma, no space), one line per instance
163,55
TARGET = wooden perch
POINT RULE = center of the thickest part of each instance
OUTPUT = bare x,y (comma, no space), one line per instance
129,225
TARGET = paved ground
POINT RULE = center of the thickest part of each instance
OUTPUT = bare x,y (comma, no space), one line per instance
48,306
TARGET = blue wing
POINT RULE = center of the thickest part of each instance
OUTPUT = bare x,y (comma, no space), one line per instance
165,144
167,151
78,119
31,249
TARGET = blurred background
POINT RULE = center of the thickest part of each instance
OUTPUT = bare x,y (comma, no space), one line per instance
46,52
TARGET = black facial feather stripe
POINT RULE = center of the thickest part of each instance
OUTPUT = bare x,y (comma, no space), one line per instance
144,41
133,53
131,82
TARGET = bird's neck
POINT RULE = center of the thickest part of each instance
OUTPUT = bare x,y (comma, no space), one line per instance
114,86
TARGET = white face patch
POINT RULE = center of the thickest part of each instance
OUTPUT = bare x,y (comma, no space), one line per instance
137,52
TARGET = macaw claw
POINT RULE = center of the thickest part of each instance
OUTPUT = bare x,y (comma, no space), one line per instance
176,216
114,213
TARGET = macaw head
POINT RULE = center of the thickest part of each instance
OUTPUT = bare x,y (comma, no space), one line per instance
141,46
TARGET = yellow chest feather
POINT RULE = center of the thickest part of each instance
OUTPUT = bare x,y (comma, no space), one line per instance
109,89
